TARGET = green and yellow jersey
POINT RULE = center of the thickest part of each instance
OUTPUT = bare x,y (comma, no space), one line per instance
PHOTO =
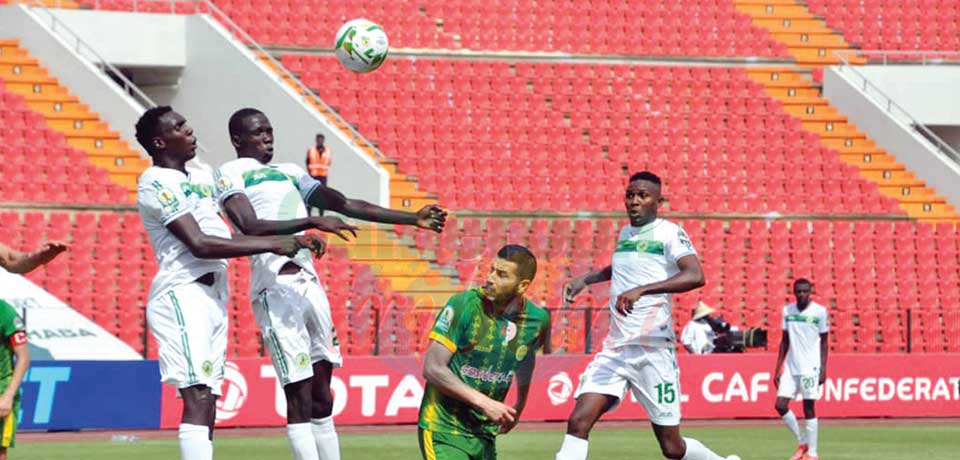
487,351
13,333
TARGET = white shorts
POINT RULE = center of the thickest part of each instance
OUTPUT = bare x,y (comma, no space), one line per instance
189,322
297,326
651,373
808,386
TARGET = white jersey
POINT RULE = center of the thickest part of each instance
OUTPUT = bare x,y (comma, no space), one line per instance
645,255
805,327
163,195
277,192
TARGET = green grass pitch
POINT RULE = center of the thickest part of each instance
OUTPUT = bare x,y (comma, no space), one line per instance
751,443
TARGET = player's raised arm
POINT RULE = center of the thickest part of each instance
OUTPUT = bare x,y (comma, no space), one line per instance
578,284
15,261
429,217
241,213
204,246
689,277
436,372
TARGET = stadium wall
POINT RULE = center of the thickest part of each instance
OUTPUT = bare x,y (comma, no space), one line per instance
61,395
845,92
921,90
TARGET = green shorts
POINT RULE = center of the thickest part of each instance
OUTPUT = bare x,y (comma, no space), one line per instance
443,446
8,434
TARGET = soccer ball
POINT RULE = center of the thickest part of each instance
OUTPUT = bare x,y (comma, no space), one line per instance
361,45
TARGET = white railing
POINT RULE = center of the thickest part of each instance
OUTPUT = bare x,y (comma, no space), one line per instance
207,7
904,57
896,110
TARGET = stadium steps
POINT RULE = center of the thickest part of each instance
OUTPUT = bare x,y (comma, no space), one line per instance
65,113
875,164
396,259
405,193
806,35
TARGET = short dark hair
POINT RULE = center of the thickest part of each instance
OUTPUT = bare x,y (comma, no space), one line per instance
236,120
800,281
321,136
646,176
148,126
526,262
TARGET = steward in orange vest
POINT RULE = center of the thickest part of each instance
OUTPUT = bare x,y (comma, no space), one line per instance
318,160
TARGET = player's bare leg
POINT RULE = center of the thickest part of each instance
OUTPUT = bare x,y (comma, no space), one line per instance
589,408
783,408
673,446
324,432
299,404
196,423
810,414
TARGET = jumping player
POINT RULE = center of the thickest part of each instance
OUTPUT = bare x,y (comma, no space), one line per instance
289,304
14,362
482,341
186,310
804,345
653,259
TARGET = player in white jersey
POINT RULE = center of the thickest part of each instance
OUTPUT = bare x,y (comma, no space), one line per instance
290,306
186,310
653,259
804,345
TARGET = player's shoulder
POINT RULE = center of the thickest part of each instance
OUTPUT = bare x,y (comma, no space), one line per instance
238,165
9,313
465,300
788,308
155,175
818,309
290,169
535,311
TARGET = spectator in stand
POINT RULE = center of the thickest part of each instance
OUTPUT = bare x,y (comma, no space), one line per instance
318,160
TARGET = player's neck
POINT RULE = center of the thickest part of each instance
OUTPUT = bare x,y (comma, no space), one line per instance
643,223
501,308
166,162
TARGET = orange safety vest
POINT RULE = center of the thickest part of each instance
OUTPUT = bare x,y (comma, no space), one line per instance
318,164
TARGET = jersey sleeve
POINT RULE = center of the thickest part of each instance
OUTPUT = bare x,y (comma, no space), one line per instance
824,322
783,318
10,321
162,199
450,325
228,180
679,245
305,183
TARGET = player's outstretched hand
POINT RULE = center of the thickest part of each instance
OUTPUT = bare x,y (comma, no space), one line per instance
334,225
498,412
626,300
432,217
286,245
571,289
52,248
315,243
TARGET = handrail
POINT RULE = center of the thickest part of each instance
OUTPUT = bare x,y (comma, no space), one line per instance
925,56
106,67
892,106
284,72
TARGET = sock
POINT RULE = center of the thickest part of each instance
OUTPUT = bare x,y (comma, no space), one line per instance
812,425
697,451
195,442
573,448
791,421
325,435
301,442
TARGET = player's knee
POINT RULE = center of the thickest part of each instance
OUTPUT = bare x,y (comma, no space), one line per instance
580,424
322,407
782,407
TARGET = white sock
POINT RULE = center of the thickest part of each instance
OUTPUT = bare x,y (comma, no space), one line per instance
573,448
325,435
301,442
697,451
812,425
195,442
791,421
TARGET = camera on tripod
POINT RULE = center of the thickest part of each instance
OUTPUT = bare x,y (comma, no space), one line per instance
733,340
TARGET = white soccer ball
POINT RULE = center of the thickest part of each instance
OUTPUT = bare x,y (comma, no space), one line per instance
361,45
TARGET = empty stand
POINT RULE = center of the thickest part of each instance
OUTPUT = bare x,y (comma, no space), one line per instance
894,25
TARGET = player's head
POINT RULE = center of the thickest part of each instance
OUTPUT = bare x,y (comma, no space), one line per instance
643,198
320,139
165,133
510,273
251,134
802,289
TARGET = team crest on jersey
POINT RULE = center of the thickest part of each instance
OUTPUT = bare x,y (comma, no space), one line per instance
521,352
303,360
445,318
509,332
168,200
207,368
224,183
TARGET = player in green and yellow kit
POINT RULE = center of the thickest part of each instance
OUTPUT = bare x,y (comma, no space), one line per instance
481,340
14,361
